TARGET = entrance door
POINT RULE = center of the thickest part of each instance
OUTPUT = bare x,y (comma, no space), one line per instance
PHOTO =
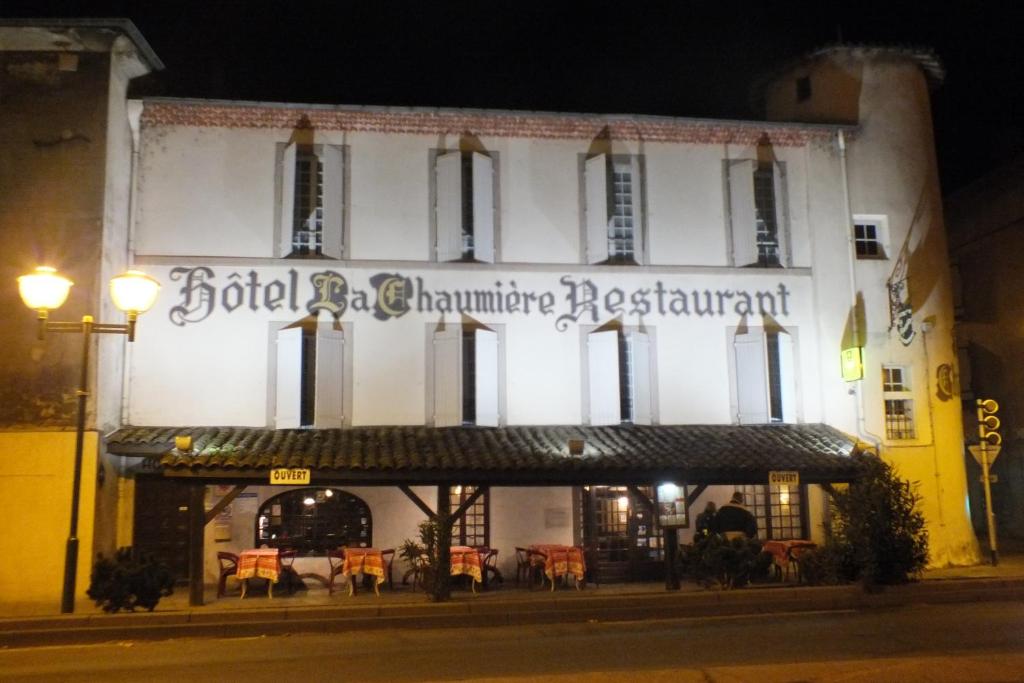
161,523
619,530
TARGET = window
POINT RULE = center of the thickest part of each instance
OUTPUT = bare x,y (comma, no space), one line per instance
311,210
765,374
468,374
803,89
870,237
472,528
756,212
614,216
314,521
778,510
308,375
618,371
899,407
464,207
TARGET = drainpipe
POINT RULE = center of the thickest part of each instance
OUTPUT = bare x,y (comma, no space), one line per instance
857,390
134,110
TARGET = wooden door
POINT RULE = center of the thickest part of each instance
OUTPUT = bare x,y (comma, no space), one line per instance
161,522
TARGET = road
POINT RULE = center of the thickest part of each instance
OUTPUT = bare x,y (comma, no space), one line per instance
967,642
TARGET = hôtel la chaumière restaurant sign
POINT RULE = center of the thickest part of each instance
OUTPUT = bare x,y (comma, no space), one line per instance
391,295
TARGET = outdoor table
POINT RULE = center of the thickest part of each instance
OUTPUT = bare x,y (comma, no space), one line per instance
561,560
365,561
263,563
468,561
783,552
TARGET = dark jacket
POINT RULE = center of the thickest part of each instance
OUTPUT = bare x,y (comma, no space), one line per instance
732,517
706,523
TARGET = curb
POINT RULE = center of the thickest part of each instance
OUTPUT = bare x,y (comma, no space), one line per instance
97,628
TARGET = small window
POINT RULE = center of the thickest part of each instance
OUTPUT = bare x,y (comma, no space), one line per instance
777,509
472,528
899,406
803,89
613,186
870,237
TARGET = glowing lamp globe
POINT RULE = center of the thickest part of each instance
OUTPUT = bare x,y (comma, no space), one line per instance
44,289
134,291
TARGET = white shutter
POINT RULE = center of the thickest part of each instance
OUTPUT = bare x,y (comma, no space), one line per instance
751,378
289,379
787,377
638,213
781,225
448,206
603,361
486,378
287,208
448,376
334,200
640,350
742,213
595,181
483,208
330,362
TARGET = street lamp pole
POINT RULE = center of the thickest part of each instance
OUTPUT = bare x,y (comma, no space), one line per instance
43,291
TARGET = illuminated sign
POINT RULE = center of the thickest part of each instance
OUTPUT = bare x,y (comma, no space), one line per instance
784,477
285,476
853,364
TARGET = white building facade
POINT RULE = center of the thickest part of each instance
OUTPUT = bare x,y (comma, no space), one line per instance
346,267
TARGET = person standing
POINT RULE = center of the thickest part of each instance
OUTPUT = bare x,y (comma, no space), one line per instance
706,521
734,520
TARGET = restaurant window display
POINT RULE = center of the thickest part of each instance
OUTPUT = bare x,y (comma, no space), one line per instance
314,521
778,509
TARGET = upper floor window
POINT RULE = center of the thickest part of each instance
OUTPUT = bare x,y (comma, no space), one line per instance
619,386
765,375
756,212
614,215
464,207
308,388
311,210
871,237
899,406
467,374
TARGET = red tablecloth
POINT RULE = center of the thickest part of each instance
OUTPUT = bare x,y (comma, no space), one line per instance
561,559
364,560
264,563
781,550
466,560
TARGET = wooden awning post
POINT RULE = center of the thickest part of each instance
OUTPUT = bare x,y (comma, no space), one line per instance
196,527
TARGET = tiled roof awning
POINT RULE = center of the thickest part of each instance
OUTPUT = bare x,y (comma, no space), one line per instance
523,455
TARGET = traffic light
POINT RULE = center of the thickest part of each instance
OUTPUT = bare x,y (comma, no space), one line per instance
988,423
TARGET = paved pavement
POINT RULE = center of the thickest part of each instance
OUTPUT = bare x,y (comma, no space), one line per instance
315,610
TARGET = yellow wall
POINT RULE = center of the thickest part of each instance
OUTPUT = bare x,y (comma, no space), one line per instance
36,472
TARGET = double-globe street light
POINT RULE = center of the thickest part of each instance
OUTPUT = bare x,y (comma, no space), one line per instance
45,290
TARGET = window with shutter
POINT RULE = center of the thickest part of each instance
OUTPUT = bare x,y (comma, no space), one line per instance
467,376
613,211
464,207
619,387
309,376
311,213
765,375
757,212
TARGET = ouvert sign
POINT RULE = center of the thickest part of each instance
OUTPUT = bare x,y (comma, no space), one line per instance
391,295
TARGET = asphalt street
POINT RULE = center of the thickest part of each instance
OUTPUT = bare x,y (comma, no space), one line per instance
962,642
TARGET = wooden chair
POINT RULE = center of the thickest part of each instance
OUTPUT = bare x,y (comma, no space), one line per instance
490,566
336,558
535,561
522,564
794,559
289,577
228,567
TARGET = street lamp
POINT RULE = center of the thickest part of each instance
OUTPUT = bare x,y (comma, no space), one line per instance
44,290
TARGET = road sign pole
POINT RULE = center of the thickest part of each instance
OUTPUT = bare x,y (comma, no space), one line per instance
990,517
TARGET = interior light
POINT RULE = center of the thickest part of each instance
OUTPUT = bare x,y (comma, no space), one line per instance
309,501
328,492
623,503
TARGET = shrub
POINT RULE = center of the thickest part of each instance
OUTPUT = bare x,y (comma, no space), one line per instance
714,561
434,552
124,582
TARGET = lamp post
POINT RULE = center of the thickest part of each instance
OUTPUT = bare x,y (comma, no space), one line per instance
45,290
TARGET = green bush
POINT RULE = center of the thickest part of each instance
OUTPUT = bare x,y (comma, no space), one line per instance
877,535
124,582
713,561
434,552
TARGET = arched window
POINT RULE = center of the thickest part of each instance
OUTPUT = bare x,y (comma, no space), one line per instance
314,520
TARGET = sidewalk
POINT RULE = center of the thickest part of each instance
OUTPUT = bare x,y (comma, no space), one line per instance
315,610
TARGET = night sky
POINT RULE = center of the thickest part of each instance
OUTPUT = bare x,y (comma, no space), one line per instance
677,59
